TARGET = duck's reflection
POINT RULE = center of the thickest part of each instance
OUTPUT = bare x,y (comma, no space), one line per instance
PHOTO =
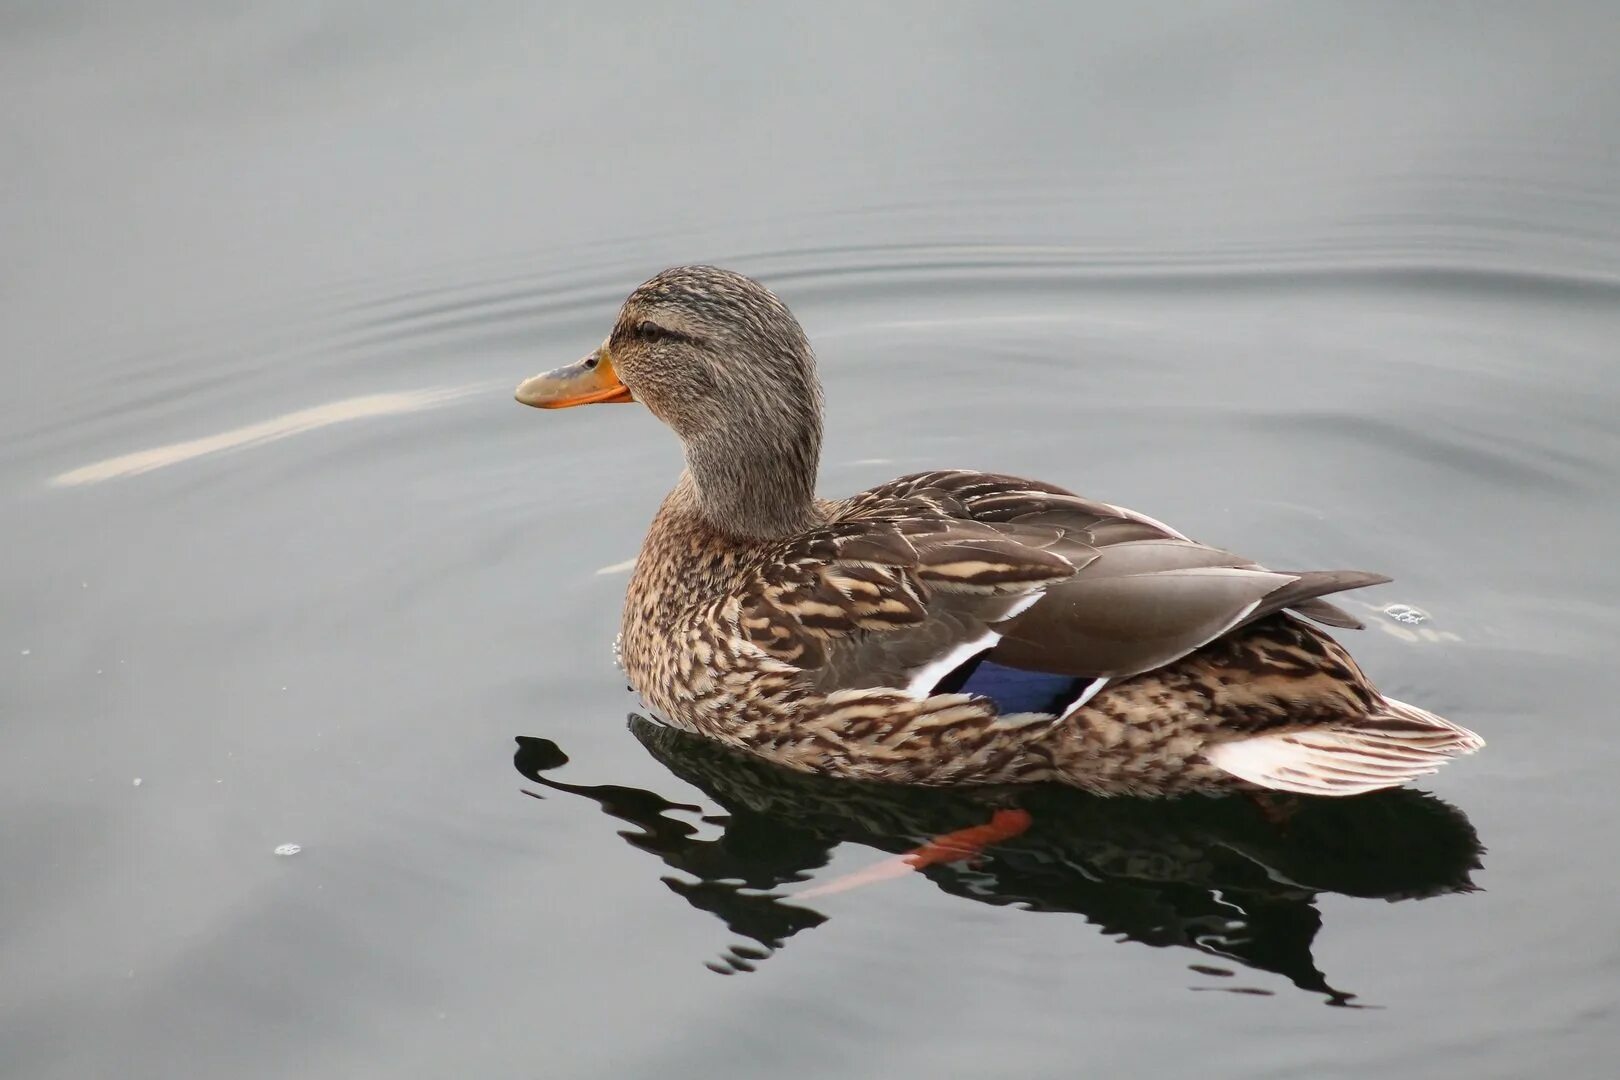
1216,875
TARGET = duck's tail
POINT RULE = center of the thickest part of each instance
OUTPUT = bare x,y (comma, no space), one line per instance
1399,742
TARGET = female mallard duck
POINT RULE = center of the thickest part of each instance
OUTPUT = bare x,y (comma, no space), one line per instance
956,627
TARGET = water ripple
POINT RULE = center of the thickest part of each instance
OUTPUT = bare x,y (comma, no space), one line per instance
264,431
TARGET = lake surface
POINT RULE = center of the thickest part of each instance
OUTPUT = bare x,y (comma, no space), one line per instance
1329,285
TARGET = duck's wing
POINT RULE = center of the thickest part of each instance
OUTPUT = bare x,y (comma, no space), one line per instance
895,596
1141,595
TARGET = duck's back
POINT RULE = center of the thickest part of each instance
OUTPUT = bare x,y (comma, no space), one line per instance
1060,637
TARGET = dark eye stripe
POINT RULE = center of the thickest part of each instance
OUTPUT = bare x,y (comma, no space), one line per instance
651,332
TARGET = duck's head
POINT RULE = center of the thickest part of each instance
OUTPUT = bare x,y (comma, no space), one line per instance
722,361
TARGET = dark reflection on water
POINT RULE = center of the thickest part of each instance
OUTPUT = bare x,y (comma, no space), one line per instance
1220,876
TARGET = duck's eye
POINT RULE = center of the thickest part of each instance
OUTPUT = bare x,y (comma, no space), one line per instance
650,331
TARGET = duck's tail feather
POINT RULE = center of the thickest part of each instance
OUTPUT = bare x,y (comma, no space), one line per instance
1387,748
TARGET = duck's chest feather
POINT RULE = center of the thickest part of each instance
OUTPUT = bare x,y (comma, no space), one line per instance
677,637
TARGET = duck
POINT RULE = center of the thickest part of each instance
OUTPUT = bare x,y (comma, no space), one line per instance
956,627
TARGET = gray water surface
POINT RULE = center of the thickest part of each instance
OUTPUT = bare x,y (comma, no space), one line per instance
1327,284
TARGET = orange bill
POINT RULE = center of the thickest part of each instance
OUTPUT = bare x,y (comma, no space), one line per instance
591,381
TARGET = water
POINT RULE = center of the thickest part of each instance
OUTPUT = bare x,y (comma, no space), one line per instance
1331,285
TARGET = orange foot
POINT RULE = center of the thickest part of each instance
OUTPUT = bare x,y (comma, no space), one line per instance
952,847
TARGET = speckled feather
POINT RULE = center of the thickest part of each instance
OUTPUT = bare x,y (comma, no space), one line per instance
760,627
817,634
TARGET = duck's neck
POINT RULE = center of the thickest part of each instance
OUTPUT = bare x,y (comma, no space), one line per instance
757,483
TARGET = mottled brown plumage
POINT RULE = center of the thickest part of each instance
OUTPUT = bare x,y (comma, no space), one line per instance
829,636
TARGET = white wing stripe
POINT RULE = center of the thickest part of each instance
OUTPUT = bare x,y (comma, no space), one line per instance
925,678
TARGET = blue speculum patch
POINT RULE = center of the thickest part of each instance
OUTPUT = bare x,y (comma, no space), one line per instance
1014,690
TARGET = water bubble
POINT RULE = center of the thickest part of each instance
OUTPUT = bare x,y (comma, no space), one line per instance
1407,614
288,849
137,781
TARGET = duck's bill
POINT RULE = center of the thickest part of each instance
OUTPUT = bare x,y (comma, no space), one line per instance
592,381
